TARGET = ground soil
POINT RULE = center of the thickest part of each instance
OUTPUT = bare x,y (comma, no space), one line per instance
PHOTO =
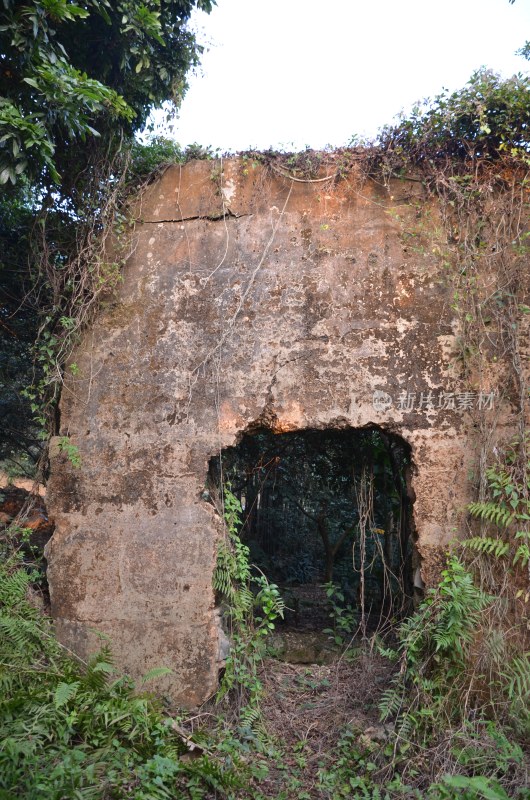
307,707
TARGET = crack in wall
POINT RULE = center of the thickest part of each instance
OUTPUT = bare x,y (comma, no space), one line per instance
209,217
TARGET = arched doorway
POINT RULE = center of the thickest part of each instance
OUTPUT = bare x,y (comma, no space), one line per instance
326,508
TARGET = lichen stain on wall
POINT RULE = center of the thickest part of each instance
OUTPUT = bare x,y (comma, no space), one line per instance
250,298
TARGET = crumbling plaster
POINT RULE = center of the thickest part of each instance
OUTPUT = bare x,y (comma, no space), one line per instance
249,298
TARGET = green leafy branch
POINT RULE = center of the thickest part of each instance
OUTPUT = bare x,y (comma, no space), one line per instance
508,506
252,605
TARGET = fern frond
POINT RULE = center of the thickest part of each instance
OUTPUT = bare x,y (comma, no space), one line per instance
497,513
225,570
156,672
391,703
517,677
244,601
13,587
99,669
487,545
64,693
17,636
406,724
522,554
251,718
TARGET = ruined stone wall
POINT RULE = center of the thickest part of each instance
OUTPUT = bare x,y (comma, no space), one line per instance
250,298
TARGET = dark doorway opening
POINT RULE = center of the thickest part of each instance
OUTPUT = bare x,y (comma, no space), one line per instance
324,507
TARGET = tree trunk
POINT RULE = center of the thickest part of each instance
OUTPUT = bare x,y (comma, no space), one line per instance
330,563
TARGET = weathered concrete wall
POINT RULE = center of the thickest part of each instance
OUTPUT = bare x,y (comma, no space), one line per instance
249,298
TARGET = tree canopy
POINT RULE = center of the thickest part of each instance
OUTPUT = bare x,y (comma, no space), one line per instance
71,72
77,80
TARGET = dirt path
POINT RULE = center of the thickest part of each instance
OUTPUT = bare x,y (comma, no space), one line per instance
306,709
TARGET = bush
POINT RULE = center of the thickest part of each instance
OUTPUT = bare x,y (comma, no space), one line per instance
71,731
489,117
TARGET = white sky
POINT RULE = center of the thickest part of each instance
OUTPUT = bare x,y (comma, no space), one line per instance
293,73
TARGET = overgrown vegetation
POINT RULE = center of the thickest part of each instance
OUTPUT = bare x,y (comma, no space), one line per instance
77,81
70,730
458,707
485,121
456,715
312,498
251,605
